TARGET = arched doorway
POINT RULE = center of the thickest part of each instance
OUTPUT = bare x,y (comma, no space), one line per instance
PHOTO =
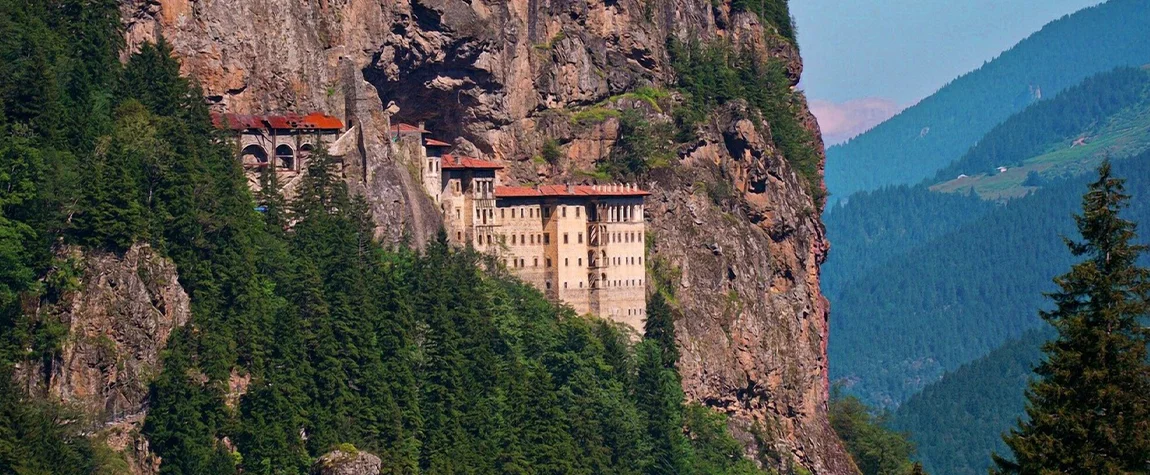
285,158
254,156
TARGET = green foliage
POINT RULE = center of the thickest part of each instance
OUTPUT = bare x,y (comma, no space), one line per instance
642,146
551,153
1089,409
958,421
593,115
876,449
930,135
774,12
716,74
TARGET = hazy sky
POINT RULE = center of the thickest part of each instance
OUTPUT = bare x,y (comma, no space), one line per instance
866,59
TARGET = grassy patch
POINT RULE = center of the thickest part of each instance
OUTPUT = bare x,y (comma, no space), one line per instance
593,115
550,43
653,96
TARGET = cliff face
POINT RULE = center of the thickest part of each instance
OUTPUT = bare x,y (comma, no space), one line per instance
118,318
505,76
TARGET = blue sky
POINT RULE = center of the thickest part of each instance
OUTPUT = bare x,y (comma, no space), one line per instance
865,59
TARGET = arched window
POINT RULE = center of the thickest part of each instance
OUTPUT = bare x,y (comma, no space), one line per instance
306,149
285,158
254,156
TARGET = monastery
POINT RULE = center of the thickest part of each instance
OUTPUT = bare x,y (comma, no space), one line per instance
580,244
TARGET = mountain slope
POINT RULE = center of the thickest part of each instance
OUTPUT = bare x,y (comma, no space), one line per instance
1107,115
876,226
957,421
916,143
962,294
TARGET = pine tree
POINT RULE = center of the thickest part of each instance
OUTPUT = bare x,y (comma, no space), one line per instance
660,327
1089,411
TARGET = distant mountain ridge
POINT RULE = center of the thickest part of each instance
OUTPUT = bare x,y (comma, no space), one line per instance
936,306
928,136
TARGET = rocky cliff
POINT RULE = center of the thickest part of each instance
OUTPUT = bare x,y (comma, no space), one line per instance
736,231
119,311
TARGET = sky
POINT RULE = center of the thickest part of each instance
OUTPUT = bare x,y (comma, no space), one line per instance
864,60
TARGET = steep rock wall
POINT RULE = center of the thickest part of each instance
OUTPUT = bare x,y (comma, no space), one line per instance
118,319
504,76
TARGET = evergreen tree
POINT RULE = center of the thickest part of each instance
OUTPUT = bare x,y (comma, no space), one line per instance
660,327
1090,410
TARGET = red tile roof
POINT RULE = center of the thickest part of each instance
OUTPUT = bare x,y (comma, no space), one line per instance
407,128
456,162
435,143
568,191
312,121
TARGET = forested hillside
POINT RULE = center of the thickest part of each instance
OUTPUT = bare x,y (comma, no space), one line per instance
960,295
1055,124
437,362
924,138
873,227
958,421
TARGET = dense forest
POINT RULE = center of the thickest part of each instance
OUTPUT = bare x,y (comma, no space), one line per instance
874,227
960,295
924,138
959,420
1055,123
875,447
435,361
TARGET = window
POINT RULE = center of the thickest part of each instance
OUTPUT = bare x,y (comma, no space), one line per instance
640,260
548,262
564,211
549,285
565,238
546,238
577,211
580,235
566,262
564,285
458,215
513,239
522,239
502,214
546,211
536,262
580,284
532,239
522,263
580,263
458,236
